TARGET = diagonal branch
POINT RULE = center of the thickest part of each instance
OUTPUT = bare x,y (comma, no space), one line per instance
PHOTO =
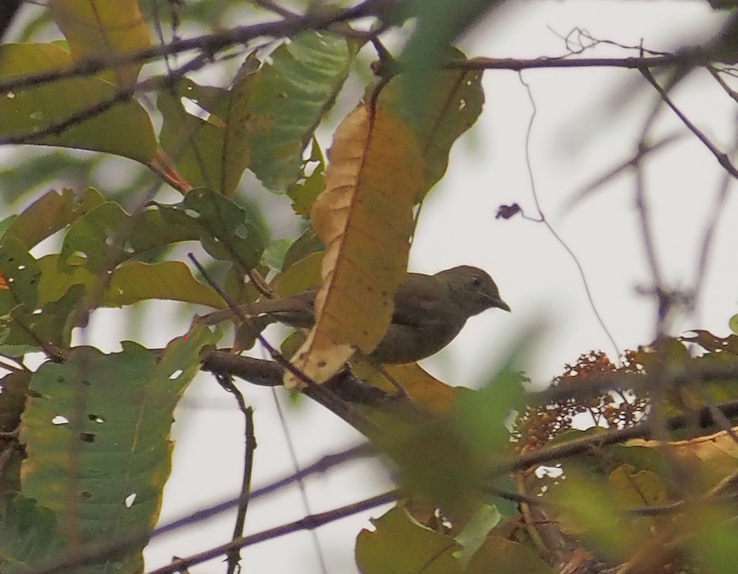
208,45
721,156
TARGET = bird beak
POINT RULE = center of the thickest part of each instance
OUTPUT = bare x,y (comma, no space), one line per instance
500,304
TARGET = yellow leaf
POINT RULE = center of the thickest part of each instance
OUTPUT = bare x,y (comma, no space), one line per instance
422,387
102,29
365,220
637,488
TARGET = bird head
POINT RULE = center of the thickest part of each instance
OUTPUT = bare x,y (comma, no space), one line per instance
472,289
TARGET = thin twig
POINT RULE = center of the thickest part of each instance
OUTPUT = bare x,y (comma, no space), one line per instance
710,228
723,84
550,228
300,484
517,65
620,169
646,231
721,157
249,446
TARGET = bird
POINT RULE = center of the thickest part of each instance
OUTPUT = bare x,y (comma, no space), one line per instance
429,312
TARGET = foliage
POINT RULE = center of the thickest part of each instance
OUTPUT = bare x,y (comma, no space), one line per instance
499,479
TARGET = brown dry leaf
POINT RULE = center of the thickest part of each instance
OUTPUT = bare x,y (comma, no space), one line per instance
365,219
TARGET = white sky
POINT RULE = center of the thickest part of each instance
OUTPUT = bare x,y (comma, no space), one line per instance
577,136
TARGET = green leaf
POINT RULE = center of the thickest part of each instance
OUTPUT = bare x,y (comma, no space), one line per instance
733,324
225,230
712,535
107,235
14,388
264,121
438,24
172,280
97,434
475,532
595,514
40,168
294,91
501,556
125,129
480,417
304,246
311,184
28,534
447,459
57,279
401,545
129,283
451,103
48,328
21,275
212,152
274,255
300,276
51,213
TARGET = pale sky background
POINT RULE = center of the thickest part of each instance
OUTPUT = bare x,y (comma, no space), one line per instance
577,136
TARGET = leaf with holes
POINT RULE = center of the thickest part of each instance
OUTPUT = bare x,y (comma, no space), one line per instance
452,103
263,121
21,274
210,149
310,184
107,235
225,228
401,544
295,89
97,434
14,388
48,328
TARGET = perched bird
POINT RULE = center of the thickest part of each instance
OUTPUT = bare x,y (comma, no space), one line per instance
430,310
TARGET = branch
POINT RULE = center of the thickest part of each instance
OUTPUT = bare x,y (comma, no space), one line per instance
516,65
307,523
93,553
8,11
704,416
208,45
121,96
721,157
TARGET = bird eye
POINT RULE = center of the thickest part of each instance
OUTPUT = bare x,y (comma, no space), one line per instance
476,280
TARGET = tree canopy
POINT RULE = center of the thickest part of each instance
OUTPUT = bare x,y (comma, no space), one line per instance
215,109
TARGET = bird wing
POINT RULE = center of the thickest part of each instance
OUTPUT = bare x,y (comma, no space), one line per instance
417,301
